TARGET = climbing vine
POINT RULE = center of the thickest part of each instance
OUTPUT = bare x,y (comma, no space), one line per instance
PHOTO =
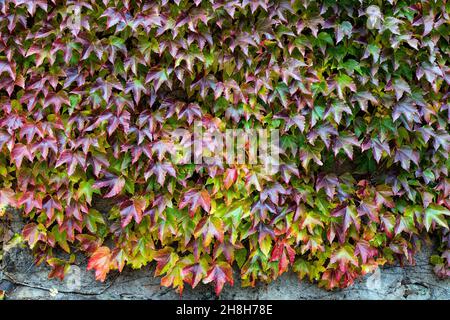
92,90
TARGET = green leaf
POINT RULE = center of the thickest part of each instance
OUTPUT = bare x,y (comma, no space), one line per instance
325,37
435,213
240,256
61,238
92,219
266,245
85,189
352,65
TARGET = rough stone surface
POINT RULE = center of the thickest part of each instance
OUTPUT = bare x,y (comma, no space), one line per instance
21,279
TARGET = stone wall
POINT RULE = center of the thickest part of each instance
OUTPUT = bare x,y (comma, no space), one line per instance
21,279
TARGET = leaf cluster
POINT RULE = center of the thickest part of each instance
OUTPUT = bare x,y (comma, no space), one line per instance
90,91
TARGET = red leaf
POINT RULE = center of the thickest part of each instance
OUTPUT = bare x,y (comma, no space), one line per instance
19,152
194,199
59,268
72,159
230,178
279,254
221,273
364,250
100,261
115,184
132,209
44,146
50,205
190,111
210,227
31,200
405,155
6,67
160,170
369,210
195,273
162,258
328,182
88,243
32,234
343,256
349,214
30,130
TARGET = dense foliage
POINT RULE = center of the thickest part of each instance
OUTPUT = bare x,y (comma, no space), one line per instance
90,91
